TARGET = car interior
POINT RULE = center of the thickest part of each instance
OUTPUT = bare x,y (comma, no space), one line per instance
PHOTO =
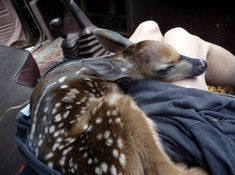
36,35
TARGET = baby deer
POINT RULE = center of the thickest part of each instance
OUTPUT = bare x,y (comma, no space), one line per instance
84,124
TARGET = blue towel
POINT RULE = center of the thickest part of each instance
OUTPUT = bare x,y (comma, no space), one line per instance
196,127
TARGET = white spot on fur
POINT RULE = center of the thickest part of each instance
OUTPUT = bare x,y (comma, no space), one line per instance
114,113
44,118
69,107
98,120
62,79
120,142
57,105
50,164
71,164
59,139
51,129
40,136
118,120
110,121
88,79
40,142
76,116
49,155
82,111
55,146
104,167
66,151
85,155
75,166
89,161
67,99
81,70
84,99
60,125
61,147
89,128
72,121
85,126
81,148
109,142
107,134
66,114
99,137
108,113
64,86
89,83
46,130
62,161
122,159
46,109
113,170
98,170
115,153
84,107
78,103
56,134
71,140
58,118
73,92
54,110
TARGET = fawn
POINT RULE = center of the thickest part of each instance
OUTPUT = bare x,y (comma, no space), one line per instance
82,123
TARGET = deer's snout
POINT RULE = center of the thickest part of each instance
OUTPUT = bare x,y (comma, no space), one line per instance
203,66
197,66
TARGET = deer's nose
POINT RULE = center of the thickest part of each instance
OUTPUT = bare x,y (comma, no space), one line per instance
203,65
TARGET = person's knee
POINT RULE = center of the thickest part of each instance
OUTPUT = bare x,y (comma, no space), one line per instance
148,30
149,26
186,43
177,32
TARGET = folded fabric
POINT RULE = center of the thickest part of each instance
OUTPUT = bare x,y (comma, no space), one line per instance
196,127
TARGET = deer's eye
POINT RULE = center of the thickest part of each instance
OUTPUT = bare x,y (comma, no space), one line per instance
166,70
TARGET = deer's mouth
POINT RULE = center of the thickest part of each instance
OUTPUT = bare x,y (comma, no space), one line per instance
199,68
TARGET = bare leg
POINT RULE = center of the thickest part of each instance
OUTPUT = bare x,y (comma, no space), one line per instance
221,69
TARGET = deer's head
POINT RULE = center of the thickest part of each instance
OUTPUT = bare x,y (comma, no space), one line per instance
146,59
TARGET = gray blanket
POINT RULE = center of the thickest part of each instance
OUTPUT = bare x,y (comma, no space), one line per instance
196,127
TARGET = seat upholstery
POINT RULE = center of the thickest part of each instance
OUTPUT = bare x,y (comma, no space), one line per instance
18,74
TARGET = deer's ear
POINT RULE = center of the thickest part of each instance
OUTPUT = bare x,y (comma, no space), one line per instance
111,40
108,68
